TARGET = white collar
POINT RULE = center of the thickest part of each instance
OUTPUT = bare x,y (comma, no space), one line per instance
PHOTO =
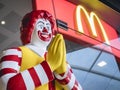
39,50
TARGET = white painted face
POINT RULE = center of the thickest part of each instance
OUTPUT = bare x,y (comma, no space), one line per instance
43,28
42,32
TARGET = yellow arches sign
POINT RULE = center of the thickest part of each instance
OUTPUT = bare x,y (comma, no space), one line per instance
91,20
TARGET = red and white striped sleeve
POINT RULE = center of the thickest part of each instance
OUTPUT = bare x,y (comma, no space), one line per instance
13,79
68,80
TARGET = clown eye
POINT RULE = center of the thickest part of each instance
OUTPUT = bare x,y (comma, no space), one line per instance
40,27
48,27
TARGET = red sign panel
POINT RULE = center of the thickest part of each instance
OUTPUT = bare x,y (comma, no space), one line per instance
83,27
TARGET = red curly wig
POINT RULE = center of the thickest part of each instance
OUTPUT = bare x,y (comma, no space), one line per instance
28,22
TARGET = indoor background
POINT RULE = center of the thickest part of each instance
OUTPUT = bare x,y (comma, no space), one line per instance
94,69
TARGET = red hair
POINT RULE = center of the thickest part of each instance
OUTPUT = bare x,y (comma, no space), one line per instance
28,22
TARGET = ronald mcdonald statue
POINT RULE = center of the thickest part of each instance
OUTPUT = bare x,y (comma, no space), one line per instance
40,63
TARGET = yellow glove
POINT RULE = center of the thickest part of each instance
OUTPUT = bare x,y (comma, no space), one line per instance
56,53
62,68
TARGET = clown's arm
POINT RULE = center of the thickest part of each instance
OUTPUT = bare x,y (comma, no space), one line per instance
13,79
68,80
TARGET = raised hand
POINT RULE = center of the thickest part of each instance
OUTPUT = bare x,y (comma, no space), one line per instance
56,56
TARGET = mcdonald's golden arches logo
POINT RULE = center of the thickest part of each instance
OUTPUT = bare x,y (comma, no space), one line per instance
91,19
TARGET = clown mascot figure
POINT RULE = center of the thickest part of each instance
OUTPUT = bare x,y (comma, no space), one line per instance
40,63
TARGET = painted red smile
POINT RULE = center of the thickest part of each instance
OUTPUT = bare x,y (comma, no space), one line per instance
44,36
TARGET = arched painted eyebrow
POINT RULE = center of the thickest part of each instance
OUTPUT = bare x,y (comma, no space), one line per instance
41,22
48,24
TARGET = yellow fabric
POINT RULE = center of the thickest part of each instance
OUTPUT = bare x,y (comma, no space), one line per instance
57,54
30,59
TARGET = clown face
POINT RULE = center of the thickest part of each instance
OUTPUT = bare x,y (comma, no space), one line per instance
43,29
42,32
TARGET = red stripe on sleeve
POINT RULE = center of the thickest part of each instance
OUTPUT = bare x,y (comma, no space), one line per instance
75,87
47,70
16,83
52,85
7,71
65,80
11,58
34,77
